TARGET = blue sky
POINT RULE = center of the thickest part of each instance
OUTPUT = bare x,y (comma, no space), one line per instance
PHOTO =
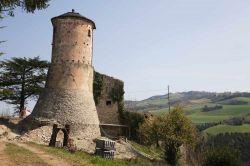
187,44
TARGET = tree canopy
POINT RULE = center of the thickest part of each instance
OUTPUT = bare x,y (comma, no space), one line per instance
22,78
174,129
8,6
1,41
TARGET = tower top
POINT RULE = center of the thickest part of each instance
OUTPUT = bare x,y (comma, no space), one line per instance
75,15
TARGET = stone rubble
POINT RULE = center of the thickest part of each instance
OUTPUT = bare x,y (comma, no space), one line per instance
6,134
42,136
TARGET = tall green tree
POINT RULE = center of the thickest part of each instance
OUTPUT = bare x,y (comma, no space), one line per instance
8,6
149,130
174,129
177,130
222,156
1,41
22,78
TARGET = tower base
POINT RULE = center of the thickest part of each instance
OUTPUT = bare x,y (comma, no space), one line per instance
72,107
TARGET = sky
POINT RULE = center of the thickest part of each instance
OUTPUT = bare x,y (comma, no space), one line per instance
199,45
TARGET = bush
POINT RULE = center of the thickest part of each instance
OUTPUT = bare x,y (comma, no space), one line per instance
222,157
133,120
204,126
172,152
175,130
207,109
149,130
237,102
239,141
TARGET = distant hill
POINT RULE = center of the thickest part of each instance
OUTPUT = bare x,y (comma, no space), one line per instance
231,104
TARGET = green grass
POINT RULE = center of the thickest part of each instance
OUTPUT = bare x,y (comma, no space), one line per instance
194,112
246,99
81,158
193,109
228,128
156,153
159,101
228,111
152,102
22,156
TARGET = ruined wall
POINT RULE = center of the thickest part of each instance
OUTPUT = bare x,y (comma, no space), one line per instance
107,109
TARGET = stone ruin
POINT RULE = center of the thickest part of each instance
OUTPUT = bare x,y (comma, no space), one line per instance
67,101
68,95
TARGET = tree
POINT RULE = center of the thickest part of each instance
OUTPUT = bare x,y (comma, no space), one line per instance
223,156
1,41
133,120
177,130
22,78
149,130
174,129
8,6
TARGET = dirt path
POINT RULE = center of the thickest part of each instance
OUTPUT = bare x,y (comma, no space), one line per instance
4,159
51,160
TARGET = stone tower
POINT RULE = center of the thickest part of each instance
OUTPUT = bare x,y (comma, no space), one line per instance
68,94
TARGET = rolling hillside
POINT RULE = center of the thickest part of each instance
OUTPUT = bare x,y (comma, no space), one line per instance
233,105
228,128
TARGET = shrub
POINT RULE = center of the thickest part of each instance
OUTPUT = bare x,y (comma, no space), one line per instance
222,157
207,109
175,130
133,120
149,130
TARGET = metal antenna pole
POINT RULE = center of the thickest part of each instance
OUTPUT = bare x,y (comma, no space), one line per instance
168,101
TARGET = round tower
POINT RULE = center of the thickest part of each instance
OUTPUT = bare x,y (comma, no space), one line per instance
68,94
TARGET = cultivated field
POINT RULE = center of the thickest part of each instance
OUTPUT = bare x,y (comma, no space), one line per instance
245,128
233,106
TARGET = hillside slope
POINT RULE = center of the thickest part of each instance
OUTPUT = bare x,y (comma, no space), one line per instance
232,105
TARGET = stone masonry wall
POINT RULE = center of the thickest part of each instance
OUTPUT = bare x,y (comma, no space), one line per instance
68,94
106,108
71,55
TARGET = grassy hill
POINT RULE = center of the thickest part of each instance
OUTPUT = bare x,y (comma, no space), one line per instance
195,113
228,129
233,105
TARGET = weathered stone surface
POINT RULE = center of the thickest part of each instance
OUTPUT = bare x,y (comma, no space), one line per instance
69,107
106,108
68,94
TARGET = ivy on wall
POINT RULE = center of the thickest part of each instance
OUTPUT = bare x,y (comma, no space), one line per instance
116,94
97,86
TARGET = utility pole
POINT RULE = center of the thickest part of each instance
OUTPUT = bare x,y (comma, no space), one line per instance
168,101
